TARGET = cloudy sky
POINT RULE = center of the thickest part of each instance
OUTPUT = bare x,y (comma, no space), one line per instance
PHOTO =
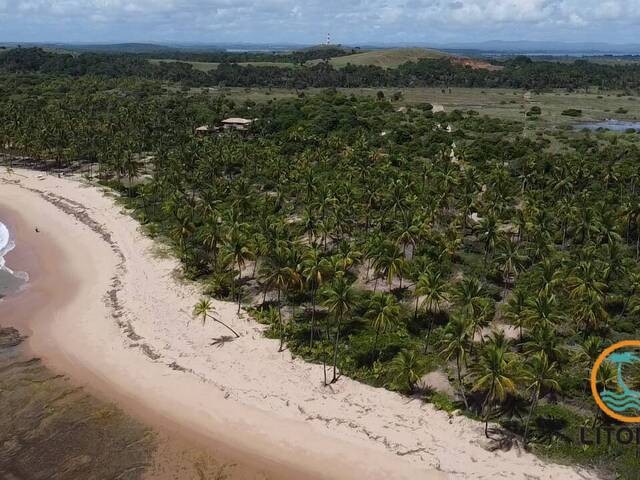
308,21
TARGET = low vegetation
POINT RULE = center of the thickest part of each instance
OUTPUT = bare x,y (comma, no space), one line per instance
520,72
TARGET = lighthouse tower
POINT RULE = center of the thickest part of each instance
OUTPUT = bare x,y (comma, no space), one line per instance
328,39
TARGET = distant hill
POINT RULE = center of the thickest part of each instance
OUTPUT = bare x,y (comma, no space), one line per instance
321,52
387,58
394,57
94,47
119,48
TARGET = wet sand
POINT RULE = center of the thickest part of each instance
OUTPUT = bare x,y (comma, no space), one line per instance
170,452
52,428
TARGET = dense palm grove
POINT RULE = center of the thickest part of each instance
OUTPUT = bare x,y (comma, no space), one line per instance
377,242
520,72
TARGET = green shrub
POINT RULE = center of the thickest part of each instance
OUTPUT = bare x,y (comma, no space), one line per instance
535,110
442,402
572,112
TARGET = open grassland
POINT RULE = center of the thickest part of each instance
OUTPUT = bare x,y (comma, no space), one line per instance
501,103
390,58
208,66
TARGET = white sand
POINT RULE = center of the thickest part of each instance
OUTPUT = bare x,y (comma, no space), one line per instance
243,394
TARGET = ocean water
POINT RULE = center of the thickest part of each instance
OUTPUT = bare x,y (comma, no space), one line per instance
613,125
10,281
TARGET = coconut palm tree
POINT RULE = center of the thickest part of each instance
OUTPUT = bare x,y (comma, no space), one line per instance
510,261
590,312
384,312
435,291
586,280
406,368
544,338
277,272
488,234
496,374
539,375
471,296
390,263
340,298
541,311
455,343
315,270
205,309
211,234
513,310
238,250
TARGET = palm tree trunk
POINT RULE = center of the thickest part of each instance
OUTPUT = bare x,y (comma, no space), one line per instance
464,397
225,325
375,344
486,409
335,352
239,279
280,322
426,341
324,350
533,406
313,316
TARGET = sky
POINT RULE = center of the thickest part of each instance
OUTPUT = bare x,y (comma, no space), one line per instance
350,22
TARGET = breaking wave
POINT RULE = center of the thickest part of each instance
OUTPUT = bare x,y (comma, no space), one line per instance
6,245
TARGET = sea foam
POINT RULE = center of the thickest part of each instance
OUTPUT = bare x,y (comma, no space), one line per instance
6,245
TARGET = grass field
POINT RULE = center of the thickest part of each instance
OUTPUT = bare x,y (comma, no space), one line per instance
208,66
390,58
501,103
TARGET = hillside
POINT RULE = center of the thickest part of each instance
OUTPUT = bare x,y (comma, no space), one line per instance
388,58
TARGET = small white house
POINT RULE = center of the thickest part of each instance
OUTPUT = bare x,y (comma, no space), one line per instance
236,123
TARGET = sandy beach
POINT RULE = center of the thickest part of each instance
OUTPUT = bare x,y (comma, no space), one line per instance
107,306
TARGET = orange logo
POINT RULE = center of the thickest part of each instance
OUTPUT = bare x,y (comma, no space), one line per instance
619,402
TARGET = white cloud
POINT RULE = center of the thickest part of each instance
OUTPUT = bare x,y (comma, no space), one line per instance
309,20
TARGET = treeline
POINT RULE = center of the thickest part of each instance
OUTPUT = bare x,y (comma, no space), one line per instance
520,72
297,56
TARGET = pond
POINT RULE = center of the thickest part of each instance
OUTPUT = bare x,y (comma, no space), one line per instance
613,125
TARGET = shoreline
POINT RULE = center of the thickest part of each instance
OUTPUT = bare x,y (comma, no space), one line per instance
119,323
28,311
